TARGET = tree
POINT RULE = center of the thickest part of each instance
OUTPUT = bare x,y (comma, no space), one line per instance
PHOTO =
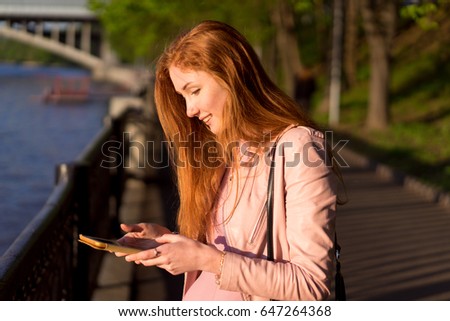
379,21
351,41
315,18
282,16
336,61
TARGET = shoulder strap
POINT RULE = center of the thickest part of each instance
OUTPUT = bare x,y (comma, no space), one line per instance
269,205
269,201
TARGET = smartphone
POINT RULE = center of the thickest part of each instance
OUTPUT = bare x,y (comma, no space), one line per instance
107,244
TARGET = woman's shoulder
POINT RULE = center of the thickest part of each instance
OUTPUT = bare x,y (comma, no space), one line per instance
302,145
299,133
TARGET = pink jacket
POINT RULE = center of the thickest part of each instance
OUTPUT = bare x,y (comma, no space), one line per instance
304,224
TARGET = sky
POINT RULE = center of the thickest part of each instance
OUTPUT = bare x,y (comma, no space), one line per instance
45,2
13,8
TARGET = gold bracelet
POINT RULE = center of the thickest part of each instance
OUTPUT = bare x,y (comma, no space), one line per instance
219,276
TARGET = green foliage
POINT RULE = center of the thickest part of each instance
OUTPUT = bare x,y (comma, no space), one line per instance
424,13
420,14
313,19
303,6
140,29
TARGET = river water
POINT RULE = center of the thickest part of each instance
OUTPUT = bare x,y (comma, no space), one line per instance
36,136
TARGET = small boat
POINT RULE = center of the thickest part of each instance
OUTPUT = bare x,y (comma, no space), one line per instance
68,89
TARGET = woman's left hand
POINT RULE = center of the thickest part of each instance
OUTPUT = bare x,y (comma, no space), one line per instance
178,254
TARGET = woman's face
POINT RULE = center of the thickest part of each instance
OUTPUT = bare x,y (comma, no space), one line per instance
205,98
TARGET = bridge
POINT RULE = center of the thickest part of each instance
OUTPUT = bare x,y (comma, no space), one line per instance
67,28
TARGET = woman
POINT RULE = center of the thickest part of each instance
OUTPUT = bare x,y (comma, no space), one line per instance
221,114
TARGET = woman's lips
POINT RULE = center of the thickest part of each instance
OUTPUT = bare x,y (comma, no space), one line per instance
207,119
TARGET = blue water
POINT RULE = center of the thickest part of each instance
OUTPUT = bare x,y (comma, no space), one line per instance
35,137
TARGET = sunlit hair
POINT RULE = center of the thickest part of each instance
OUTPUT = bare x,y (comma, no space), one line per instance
256,111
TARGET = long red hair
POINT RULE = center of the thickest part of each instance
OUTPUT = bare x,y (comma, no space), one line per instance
256,107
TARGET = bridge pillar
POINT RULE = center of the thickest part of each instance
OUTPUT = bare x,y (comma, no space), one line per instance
86,36
55,32
70,34
22,26
39,29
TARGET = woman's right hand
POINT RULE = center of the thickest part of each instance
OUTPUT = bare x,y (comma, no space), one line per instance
144,230
141,235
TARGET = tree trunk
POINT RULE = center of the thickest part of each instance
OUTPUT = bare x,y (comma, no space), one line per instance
284,21
269,58
379,17
351,41
323,32
336,61
324,36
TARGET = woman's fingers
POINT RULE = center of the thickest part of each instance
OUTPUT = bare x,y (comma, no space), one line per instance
175,253
128,228
144,255
169,238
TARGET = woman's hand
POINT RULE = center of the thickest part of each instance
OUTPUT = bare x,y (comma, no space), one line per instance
144,230
141,235
178,254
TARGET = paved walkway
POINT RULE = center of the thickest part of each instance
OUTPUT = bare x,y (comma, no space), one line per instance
123,281
395,242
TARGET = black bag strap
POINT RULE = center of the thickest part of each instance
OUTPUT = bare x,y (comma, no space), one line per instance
340,294
269,204
339,291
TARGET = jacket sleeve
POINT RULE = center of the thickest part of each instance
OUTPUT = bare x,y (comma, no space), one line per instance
304,218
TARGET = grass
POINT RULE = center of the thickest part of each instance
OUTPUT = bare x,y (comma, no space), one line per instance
417,141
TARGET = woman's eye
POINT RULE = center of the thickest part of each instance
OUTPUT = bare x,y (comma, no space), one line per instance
196,92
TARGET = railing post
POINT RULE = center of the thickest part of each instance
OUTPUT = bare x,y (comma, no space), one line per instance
117,170
82,276
62,173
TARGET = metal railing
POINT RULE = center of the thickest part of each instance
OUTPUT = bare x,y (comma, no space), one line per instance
46,262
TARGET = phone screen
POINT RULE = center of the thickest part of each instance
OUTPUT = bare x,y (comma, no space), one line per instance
135,244
107,244
102,240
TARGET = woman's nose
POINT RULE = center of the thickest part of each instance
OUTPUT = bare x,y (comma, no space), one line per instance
191,110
